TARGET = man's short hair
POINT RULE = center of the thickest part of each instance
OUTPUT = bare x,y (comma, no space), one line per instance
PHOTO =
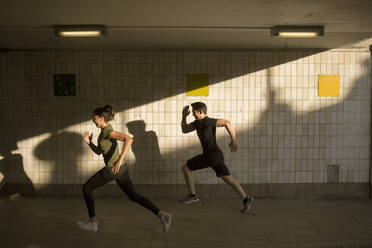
199,106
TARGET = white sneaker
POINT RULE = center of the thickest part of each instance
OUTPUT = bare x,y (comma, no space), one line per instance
166,220
88,225
2,180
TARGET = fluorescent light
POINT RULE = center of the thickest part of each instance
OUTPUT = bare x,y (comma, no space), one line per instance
69,31
80,33
298,34
297,31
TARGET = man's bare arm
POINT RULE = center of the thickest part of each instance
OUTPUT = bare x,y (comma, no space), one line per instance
227,124
186,128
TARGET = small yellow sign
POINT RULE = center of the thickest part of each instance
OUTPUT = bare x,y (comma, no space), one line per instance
329,85
197,85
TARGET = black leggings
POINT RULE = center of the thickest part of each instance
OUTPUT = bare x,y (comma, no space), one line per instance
122,178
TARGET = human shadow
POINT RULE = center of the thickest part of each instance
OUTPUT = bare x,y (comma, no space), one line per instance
62,152
149,161
15,180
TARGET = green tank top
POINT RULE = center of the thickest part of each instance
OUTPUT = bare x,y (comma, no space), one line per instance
109,147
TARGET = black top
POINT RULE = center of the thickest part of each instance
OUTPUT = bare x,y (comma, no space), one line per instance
206,129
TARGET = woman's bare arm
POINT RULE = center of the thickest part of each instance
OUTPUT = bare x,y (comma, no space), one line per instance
127,143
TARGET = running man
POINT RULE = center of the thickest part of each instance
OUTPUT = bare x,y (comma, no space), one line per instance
212,155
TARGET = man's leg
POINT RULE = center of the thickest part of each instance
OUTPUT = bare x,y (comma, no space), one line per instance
196,163
235,185
247,200
189,179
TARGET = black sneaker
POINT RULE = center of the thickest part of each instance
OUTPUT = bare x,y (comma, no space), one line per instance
189,199
247,205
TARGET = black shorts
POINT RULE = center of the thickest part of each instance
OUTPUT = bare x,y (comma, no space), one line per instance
214,160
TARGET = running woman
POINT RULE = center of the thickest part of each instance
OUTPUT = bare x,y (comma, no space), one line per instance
212,155
115,169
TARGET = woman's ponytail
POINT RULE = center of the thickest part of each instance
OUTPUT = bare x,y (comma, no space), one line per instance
109,109
107,112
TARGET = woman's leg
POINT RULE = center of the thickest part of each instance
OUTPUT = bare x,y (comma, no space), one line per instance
97,180
126,185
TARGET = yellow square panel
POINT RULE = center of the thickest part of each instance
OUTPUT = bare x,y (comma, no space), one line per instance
197,85
329,85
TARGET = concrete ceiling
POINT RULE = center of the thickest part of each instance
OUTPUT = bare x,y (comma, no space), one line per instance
186,25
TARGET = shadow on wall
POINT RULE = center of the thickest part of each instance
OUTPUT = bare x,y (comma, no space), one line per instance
332,135
288,150
12,170
147,154
152,82
282,150
326,145
61,153
47,115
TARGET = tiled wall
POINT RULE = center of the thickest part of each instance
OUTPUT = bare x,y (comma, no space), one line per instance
286,133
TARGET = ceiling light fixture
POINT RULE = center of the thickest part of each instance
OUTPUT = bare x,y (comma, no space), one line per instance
297,31
80,30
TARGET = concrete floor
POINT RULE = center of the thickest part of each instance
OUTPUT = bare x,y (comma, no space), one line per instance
50,222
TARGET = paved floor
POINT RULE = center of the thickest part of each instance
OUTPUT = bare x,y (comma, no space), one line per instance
274,223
